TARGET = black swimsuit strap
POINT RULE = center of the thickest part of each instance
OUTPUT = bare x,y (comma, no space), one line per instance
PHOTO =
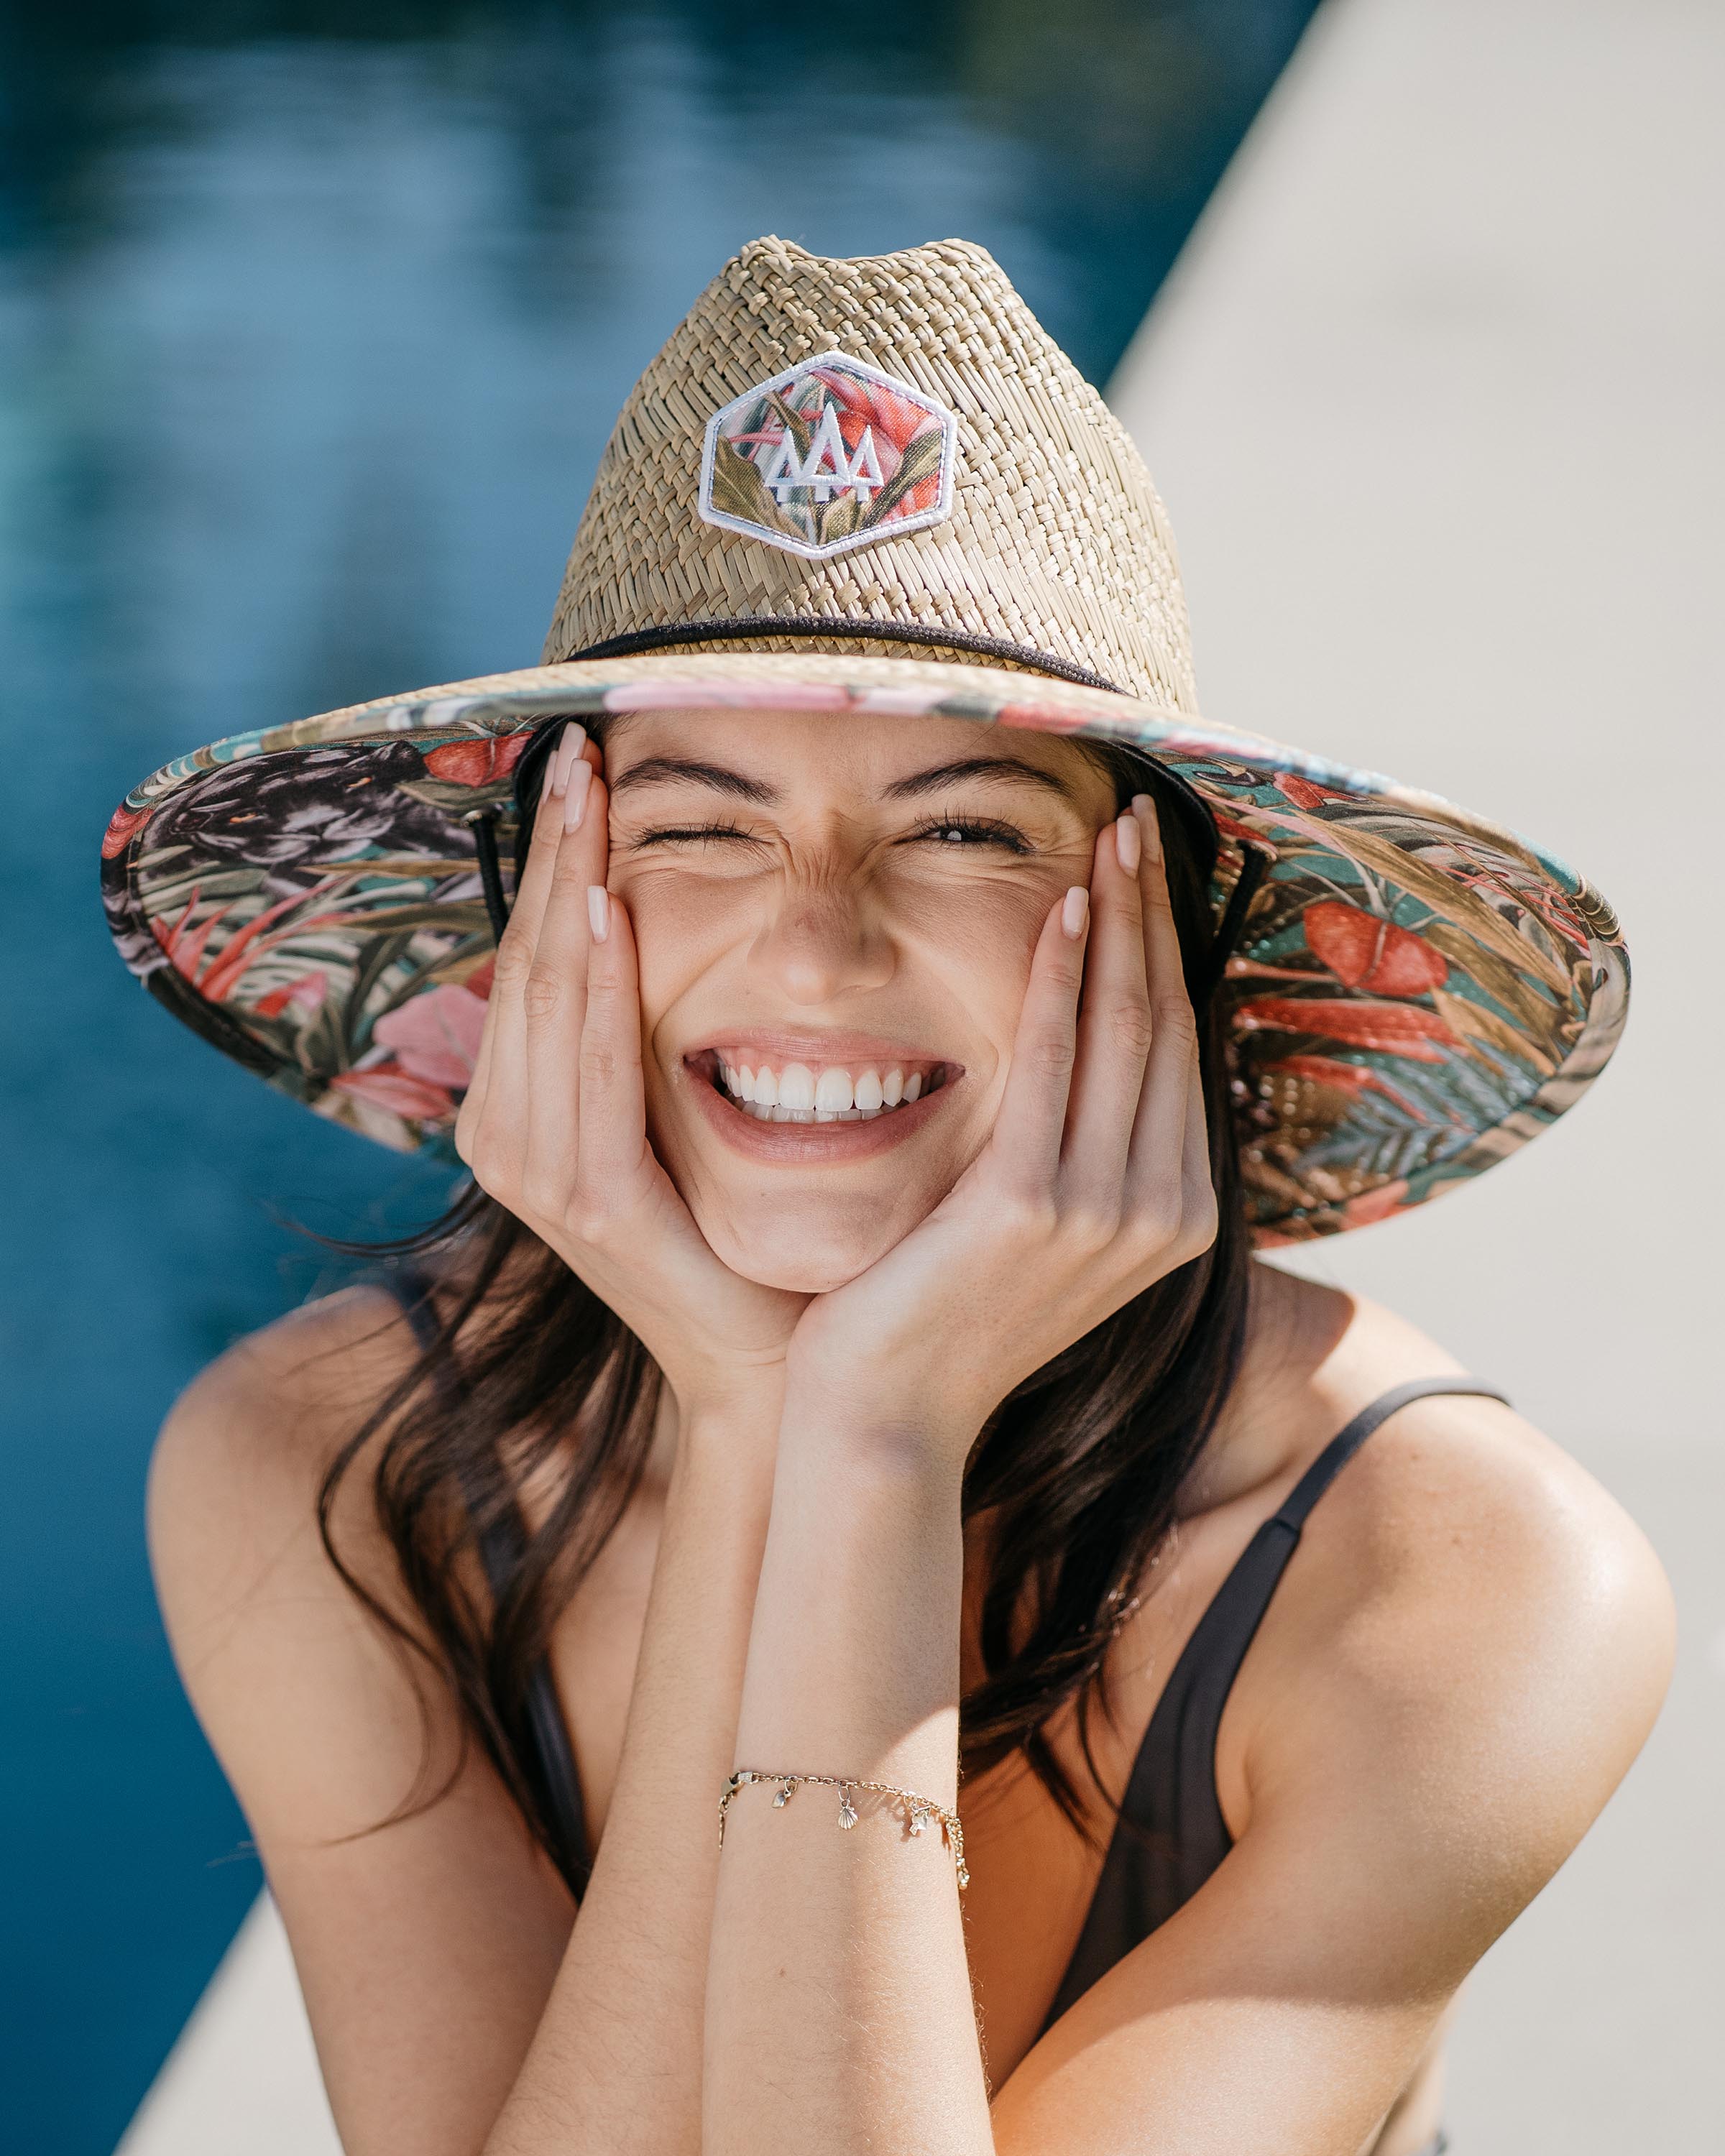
502,1545
1171,1836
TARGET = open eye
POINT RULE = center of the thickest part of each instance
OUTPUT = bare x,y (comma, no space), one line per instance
971,832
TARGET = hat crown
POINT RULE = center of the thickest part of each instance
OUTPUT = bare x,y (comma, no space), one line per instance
1038,535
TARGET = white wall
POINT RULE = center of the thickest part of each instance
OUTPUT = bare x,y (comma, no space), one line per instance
1434,400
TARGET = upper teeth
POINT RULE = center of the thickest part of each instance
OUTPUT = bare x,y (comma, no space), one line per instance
798,1094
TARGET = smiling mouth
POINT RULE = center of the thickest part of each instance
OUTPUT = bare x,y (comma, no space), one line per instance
829,1093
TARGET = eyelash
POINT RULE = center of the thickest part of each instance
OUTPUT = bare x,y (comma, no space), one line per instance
976,828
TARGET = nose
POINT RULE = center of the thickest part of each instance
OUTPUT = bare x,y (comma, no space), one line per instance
823,941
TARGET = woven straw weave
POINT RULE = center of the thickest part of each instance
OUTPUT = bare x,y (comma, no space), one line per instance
1057,541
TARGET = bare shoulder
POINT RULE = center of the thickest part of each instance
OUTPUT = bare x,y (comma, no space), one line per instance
244,1452
1473,1622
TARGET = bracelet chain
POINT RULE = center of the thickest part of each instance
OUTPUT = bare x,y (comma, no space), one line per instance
917,1811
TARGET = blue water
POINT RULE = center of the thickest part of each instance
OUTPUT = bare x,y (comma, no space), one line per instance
309,334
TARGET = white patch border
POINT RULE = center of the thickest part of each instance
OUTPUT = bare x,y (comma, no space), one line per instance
941,510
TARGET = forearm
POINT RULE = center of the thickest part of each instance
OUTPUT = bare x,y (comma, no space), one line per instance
840,2013
616,2064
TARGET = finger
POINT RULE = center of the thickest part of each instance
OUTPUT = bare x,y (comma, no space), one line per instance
1154,1169
554,1000
1032,1121
497,1095
1114,1028
613,1126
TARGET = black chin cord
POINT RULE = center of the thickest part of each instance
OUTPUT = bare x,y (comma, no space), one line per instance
1254,864
483,823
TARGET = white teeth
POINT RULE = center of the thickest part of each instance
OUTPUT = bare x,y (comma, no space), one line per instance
796,1086
799,1095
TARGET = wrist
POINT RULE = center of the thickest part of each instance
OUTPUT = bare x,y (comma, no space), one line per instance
913,1440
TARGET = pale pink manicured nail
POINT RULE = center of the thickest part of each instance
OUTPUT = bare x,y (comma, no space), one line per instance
1128,845
598,911
550,773
575,800
570,743
1151,824
1074,909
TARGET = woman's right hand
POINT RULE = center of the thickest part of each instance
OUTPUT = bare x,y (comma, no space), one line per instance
554,1124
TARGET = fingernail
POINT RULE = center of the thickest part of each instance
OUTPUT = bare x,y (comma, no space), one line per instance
1075,910
550,773
598,911
1151,824
570,743
575,800
1128,845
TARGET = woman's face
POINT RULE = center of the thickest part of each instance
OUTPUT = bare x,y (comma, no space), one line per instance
833,916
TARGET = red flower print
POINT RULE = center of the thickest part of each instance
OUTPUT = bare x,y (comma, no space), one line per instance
1354,1078
1365,952
308,991
477,763
120,826
1393,1029
1304,793
894,418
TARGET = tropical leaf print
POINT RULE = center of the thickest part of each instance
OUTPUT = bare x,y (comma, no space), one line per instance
1414,994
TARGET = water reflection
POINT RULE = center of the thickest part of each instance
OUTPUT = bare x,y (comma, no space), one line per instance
312,321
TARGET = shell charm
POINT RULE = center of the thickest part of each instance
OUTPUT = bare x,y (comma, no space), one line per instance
782,1796
847,1811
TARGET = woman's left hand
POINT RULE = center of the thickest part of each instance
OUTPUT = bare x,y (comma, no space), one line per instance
1095,1183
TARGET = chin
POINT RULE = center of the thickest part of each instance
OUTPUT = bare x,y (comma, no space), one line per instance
809,1262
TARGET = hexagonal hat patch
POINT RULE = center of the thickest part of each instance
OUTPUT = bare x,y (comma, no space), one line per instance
829,455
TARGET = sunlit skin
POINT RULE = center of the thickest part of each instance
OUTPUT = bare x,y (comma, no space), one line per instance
865,893
836,1308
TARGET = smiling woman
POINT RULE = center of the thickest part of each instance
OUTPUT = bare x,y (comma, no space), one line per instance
878,1016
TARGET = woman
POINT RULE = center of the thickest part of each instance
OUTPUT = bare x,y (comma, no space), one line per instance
885,1066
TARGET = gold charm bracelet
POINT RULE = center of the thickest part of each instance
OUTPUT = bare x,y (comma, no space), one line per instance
917,1811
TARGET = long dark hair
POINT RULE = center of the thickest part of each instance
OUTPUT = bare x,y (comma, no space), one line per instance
1079,1466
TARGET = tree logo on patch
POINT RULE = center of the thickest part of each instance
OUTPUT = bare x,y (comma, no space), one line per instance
829,455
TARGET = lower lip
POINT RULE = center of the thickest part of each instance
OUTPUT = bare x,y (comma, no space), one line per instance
811,1144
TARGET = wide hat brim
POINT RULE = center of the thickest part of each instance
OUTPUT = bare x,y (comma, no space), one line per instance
1414,993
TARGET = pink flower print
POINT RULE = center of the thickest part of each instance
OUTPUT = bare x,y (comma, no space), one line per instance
386,1086
436,1036
1374,1205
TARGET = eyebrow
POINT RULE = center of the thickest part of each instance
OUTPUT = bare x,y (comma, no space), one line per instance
986,770
683,770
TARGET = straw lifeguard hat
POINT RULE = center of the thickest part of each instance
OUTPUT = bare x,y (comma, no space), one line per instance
877,485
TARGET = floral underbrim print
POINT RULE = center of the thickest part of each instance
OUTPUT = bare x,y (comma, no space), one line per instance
829,455
1415,995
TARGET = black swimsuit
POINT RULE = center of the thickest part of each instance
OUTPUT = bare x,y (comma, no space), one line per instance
1171,1797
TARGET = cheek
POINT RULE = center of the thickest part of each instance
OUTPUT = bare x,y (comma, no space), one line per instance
683,925
978,936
